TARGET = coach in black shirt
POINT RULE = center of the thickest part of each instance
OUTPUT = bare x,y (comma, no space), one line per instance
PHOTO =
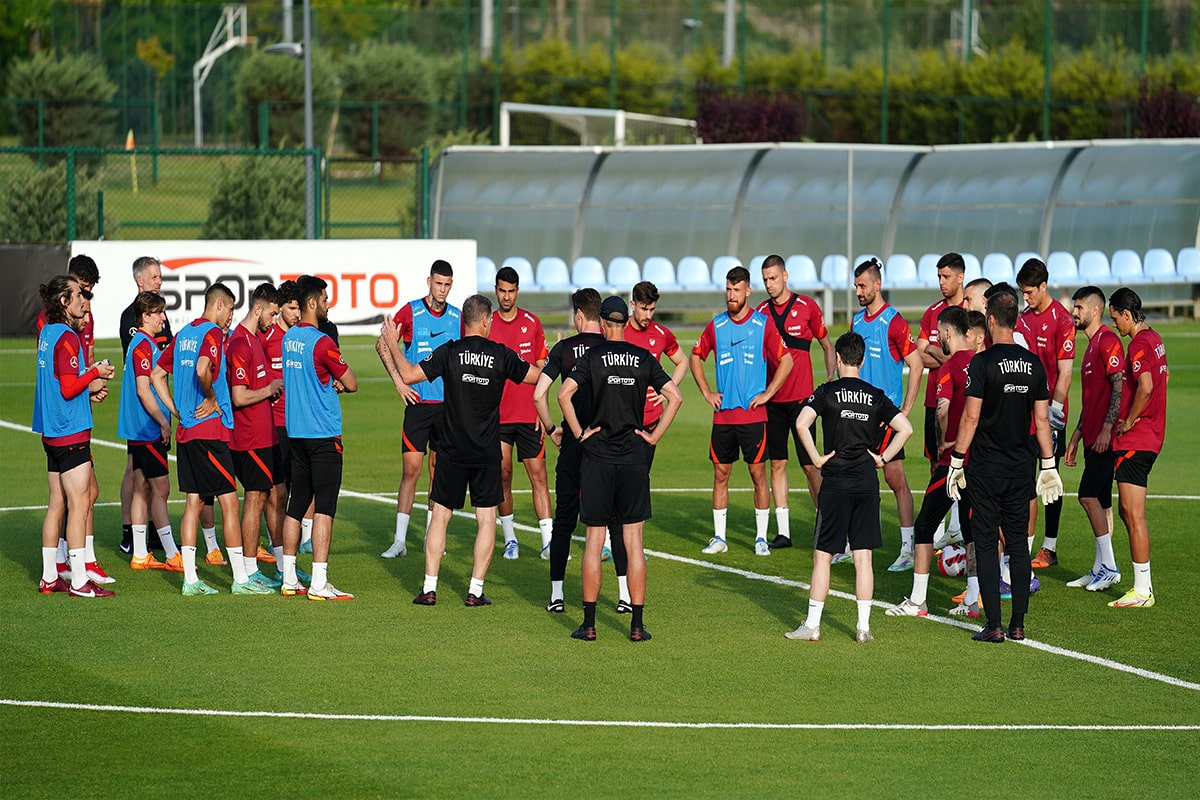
473,371
1006,395
852,412
614,475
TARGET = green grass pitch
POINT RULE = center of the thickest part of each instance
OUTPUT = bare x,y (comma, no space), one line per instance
381,698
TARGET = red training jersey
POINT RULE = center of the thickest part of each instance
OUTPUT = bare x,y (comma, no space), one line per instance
211,429
87,335
523,335
1146,356
929,332
659,341
952,387
272,345
772,349
1103,357
1049,335
253,425
800,318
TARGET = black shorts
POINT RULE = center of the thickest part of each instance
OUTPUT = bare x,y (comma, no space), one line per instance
1000,503
451,481
885,437
255,469
422,427
283,457
616,493
316,476
781,420
1133,466
852,516
205,468
150,458
1097,478
526,436
67,457
935,505
749,437
932,445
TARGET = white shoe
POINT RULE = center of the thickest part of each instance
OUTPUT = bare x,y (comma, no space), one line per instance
903,562
862,636
948,538
715,545
805,633
397,549
761,548
1082,580
511,549
1104,579
907,608
329,592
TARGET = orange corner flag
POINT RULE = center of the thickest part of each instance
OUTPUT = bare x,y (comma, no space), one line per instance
129,140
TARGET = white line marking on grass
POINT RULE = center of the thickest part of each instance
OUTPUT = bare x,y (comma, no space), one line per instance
585,723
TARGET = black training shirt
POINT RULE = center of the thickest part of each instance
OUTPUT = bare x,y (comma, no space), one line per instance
1009,379
562,360
851,412
616,375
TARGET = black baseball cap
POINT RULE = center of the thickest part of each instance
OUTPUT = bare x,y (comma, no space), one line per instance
613,309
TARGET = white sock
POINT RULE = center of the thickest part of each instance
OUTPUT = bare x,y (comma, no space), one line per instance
49,564
920,588
506,525
320,575
1004,574
864,614
62,551
607,539
815,609
1141,577
277,551
1029,543
623,588
189,564
168,541
431,584
305,530
237,563
210,539
547,527
251,563
289,570
556,590
955,524
78,561
139,541
1104,551
783,522
428,519
89,548
476,587
1050,543
941,529
906,538
762,518
401,527
972,590
719,517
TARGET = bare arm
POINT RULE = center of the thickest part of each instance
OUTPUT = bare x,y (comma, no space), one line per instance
803,423
1063,385
916,371
931,354
781,373
158,379
943,419
535,372
1041,423
541,403
348,381
830,358
903,429
710,397
565,393
1141,396
387,346
680,360
245,396
209,404
674,400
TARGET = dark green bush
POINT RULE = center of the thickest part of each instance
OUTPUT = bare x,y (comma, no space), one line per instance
404,82
278,81
76,91
258,198
33,205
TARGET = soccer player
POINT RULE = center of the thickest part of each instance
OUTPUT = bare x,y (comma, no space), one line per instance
744,342
974,295
1140,432
951,378
254,441
197,360
1006,393
585,316
145,423
474,370
423,325
62,413
521,332
147,274
1101,376
851,411
799,321
615,476
1049,335
314,373
890,348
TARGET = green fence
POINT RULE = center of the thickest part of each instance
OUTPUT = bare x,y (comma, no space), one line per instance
65,193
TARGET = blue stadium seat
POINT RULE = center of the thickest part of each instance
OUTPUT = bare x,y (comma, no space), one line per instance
1062,268
835,271
720,268
861,258
661,272
802,273
1158,265
1093,267
927,269
693,274
552,275
623,273
998,267
485,273
588,272
1126,266
756,279
901,272
974,271
1188,264
524,273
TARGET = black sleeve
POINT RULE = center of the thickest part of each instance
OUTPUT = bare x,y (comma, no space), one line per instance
434,364
1041,389
976,375
553,366
127,328
515,369
581,374
330,329
816,400
887,409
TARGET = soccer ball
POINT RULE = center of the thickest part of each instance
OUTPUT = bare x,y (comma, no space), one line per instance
952,560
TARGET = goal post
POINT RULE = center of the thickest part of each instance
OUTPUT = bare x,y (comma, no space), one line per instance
529,123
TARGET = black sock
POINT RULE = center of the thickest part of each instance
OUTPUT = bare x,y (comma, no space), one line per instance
127,531
589,614
1017,621
636,620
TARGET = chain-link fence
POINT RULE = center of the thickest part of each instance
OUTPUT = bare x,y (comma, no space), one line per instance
61,194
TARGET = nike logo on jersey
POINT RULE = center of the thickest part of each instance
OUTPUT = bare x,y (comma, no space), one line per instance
436,334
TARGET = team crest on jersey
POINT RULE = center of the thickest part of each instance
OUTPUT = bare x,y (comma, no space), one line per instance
653,342
1114,362
74,362
1137,366
145,363
240,374
1069,346
524,329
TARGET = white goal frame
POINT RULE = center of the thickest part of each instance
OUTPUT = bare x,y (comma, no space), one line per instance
575,119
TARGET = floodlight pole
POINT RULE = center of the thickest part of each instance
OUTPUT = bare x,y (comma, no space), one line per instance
309,187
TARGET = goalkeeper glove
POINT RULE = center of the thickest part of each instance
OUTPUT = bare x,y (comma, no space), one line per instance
956,478
1049,484
1058,417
